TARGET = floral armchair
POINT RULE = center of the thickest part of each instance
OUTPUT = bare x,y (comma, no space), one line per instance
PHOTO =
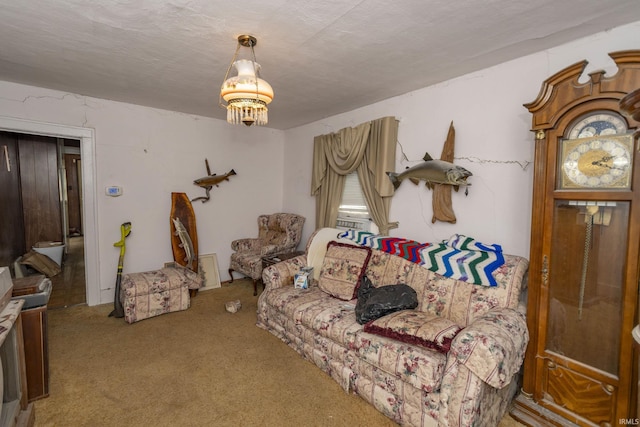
278,233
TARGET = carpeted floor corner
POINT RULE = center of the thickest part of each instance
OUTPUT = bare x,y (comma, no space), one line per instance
199,367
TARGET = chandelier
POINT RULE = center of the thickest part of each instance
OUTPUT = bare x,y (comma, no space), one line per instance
246,95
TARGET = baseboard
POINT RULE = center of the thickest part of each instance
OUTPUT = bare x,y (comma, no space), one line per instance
526,411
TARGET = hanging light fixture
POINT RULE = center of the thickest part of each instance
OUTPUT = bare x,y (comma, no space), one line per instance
246,95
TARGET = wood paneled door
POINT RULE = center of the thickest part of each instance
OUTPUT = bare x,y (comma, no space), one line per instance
30,196
73,173
12,243
38,157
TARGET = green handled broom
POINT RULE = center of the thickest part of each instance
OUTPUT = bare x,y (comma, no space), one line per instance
118,310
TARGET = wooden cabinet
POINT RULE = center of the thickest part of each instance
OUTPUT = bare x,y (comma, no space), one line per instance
580,366
35,291
36,353
15,411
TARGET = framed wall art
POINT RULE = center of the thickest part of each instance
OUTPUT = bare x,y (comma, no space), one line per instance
208,267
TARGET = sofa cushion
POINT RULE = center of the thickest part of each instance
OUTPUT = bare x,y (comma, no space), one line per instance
316,315
317,311
464,302
290,301
416,327
342,269
421,367
331,319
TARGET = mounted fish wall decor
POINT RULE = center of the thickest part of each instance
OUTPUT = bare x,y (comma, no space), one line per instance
185,243
207,182
184,233
440,176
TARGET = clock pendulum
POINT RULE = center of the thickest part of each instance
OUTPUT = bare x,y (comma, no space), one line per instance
591,211
594,215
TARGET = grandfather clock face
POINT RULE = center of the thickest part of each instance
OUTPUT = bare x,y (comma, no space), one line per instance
597,153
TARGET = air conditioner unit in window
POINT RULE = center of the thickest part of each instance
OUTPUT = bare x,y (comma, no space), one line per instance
348,223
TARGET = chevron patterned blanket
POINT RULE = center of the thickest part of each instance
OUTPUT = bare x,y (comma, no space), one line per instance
460,257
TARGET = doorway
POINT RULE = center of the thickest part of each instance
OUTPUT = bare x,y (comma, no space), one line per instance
87,182
69,287
42,203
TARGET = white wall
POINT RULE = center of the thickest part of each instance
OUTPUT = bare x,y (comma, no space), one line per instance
493,140
151,153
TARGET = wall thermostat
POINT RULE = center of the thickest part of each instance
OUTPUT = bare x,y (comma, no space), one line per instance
114,191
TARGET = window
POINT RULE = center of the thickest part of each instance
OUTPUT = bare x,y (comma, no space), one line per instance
353,204
353,213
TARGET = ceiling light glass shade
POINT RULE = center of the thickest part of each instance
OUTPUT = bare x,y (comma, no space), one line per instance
246,95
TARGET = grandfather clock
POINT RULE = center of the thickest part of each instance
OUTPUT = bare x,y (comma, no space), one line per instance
580,367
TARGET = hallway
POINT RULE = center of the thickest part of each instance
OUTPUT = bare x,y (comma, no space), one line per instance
69,287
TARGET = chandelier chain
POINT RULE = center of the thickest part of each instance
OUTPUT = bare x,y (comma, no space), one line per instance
226,75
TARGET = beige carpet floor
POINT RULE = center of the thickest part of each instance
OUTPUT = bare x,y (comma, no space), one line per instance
199,367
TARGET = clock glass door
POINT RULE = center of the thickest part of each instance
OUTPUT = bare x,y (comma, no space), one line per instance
586,283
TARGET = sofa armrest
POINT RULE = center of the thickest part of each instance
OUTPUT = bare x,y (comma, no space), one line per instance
493,346
246,245
282,273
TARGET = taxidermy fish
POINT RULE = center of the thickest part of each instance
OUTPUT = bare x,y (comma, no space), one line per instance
207,182
185,240
432,172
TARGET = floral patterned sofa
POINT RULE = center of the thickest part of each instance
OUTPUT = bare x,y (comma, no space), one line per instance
467,379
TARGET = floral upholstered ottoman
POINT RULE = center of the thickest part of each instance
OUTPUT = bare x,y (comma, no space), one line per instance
157,292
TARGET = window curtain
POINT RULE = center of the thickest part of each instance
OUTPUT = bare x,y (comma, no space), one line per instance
369,149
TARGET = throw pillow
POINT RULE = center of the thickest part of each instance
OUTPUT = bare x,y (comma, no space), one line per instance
376,302
342,268
417,328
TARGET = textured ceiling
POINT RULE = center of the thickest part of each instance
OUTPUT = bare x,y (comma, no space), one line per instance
321,57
